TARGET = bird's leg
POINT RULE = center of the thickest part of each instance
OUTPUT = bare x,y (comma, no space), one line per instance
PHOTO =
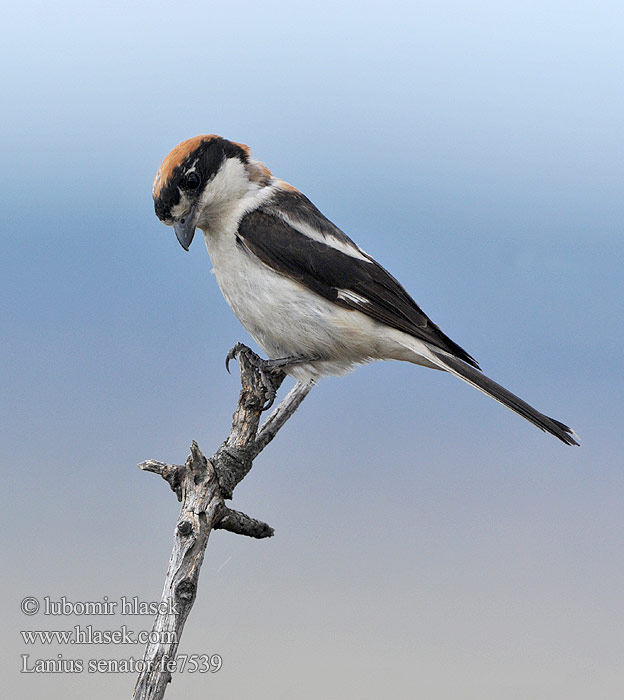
270,370
267,365
274,365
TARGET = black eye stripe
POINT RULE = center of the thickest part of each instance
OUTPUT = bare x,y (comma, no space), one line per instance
204,162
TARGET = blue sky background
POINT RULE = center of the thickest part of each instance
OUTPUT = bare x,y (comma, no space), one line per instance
429,543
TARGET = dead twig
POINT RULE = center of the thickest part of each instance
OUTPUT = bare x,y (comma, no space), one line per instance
202,485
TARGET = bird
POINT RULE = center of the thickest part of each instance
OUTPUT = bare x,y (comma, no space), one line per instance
311,298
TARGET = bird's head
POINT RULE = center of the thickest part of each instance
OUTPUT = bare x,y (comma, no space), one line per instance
199,176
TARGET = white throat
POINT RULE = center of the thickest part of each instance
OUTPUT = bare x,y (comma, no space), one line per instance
228,196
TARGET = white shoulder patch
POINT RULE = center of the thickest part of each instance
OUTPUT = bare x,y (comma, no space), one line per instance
348,295
312,232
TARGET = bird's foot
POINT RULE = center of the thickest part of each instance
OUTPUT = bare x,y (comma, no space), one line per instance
240,349
271,371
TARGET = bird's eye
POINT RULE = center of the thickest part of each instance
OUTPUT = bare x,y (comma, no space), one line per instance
192,181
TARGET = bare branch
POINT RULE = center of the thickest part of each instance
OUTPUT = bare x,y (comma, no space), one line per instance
241,524
173,474
280,415
202,485
202,507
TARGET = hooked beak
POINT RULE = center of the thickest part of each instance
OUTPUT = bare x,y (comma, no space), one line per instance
185,228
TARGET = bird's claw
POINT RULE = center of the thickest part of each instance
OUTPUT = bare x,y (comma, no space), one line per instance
270,390
233,354
266,369
253,359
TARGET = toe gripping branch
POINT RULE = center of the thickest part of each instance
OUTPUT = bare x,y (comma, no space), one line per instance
269,371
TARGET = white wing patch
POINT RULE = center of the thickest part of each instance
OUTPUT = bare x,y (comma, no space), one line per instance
312,232
348,295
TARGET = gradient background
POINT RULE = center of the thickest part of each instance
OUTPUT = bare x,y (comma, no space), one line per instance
429,543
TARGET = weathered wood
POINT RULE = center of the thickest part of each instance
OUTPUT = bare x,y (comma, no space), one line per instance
241,524
280,415
202,485
202,507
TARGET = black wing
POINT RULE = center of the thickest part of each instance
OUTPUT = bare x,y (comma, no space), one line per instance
353,282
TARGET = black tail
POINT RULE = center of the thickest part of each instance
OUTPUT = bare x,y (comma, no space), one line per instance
496,391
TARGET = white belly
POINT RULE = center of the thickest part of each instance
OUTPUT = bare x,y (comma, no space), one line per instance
285,318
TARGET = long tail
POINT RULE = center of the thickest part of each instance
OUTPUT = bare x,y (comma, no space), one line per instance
496,391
